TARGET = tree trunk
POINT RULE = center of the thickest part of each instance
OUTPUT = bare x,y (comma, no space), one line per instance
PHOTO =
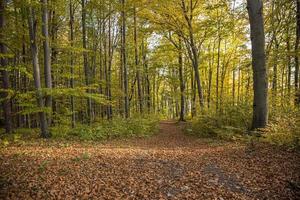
47,59
192,49
36,72
210,71
297,100
181,79
218,73
124,64
72,61
193,95
5,76
260,83
147,80
85,59
137,64
289,64
110,57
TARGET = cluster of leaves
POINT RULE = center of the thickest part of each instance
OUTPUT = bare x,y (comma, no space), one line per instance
230,124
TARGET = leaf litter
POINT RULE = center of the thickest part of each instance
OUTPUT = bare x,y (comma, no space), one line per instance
169,165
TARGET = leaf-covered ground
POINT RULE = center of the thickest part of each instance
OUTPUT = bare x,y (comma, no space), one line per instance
169,165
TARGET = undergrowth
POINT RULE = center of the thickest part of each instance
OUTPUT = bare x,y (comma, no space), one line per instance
136,126
234,123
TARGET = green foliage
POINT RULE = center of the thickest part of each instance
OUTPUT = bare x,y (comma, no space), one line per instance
136,126
234,124
230,124
284,129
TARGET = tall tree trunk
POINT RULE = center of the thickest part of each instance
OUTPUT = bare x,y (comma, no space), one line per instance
192,48
53,17
289,64
138,70
210,71
6,105
193,95
147,80
124,62
47,58
275,69
297,53
218,74
36,72
85,59
72,61
260,83
181,79
110,57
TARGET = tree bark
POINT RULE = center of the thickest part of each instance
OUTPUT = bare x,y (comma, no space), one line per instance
124,64
138,70
72,61
218,73
85,59
297,99
260,83
110,57
36,72
192,49
6,105
47,58
182,85
289,63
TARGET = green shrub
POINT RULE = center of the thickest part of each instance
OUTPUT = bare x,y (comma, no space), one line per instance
231,123
284,128
136,126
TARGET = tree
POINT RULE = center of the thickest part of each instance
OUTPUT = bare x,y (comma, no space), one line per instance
71,10
191,45
32,26
260,83
6,105
47,59
181,79
297,51
85,59
124,62
137,66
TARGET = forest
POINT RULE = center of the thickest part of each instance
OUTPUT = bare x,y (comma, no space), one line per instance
149,99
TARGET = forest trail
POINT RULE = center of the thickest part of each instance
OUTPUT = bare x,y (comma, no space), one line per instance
168,165
168,136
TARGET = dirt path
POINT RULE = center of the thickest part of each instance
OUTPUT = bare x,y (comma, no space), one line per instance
169,165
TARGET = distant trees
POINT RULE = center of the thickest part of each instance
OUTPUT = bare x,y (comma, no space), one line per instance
103,59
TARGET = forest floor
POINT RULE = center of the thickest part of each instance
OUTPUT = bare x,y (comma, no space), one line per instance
168,165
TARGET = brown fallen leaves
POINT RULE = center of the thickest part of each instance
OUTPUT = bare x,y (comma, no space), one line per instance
169,165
